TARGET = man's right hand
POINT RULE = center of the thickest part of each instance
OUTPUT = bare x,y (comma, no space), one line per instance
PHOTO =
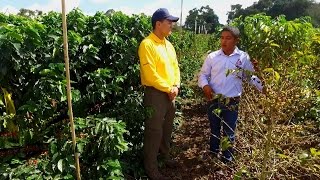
173,93
208,92
255,64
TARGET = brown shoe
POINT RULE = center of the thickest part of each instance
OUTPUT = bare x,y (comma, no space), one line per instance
158,176
165,178
162,177
171,163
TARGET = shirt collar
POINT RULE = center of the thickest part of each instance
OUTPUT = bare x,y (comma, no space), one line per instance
156,39
236,51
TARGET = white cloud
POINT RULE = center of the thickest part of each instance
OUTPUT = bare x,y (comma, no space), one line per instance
126,10
9,10
55,5
220,8
149,9
174,6
223,7
52,5
99,1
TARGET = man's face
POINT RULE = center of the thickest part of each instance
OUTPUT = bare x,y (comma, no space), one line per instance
228,41
165,27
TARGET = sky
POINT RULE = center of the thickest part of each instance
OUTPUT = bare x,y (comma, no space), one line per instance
220,7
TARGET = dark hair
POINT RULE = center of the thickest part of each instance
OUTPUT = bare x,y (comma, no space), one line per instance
154,23
233,30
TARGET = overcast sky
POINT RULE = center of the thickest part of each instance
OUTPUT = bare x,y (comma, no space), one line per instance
220,7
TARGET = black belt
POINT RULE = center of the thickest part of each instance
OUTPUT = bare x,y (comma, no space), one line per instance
227,99
234,98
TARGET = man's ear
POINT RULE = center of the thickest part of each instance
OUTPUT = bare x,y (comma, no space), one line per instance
158,23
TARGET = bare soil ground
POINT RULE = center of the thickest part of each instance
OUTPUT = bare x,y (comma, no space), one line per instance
289,142
190,149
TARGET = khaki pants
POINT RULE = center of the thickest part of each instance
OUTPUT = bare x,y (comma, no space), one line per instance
158,127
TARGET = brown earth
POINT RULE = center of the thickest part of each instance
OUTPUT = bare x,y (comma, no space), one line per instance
190,149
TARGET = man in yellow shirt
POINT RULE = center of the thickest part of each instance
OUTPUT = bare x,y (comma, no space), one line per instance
160,75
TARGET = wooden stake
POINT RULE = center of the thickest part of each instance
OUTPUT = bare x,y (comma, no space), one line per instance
181,14
66,59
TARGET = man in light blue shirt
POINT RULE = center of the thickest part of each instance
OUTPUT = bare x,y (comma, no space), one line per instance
223,73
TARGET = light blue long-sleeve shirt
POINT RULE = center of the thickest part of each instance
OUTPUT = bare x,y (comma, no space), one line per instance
225,74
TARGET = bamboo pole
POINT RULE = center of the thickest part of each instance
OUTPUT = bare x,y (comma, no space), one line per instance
66,59
180,32
181,14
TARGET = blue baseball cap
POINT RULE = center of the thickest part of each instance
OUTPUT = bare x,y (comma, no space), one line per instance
161,14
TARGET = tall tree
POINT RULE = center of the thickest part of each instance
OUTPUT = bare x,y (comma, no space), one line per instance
314,13
110,12
257,7
290,8
202,20
29,13
235,10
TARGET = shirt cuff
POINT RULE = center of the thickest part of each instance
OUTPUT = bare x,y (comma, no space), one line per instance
203,84
256,82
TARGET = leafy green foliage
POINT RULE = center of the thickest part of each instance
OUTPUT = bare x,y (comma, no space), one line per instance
285,49
287,55
107,95
292,9
105,80
100,144
105,83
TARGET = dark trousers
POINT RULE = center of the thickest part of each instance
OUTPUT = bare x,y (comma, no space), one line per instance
223,114
158,127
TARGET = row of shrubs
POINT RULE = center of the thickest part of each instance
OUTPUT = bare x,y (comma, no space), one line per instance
106,91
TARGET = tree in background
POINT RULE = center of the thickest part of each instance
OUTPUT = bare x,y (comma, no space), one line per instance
110,12
29,13
257,7
290,8
314,12
202,20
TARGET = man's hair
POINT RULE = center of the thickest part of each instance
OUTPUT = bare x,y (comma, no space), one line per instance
154,24
233,30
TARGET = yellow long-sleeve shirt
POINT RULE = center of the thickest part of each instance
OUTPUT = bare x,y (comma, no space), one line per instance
158,64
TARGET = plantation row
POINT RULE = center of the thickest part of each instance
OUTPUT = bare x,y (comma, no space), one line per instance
288,53
278,133
107,95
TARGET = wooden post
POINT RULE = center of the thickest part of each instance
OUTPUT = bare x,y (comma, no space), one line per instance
195,26
181,14
180,34
66,59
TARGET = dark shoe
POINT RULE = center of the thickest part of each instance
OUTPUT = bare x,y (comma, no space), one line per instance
154,174
226,160
171,163
213,154
162,177
227,156
209,155
158,176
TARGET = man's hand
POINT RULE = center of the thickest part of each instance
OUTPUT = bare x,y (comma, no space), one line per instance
173,93
255,64
208,92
